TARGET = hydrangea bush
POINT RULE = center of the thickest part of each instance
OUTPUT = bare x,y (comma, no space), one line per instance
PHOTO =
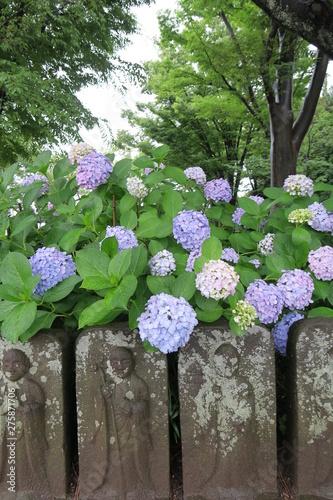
147,243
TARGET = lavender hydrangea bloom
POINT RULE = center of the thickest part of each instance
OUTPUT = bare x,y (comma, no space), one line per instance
266,246
266,299
217,280
322,220
190,229
230,255
37,177
257,199
321,263
167,322
218,190
78,151
281,329
191,258
53,266
162,264
125,237
298,185
94,169
136,187
255,262
297,288
197,174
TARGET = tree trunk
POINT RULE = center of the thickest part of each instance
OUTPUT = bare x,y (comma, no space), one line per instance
283,150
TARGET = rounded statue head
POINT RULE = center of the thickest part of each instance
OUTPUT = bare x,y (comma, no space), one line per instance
122,361
15,364
226,360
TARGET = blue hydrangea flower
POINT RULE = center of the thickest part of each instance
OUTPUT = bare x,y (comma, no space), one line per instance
230,255
297,288
53,266
321,263
298,185
125,237
197,174
281,329
190,229
167,322
94,169
322,220
37,177
218,190
162,264
266,299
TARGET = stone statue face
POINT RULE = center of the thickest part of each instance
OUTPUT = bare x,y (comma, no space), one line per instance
122,362
15,364
226,360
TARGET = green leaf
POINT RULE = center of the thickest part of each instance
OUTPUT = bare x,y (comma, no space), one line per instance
175,174
160,152
322,289
250,206
148,347
43,320
204,303
214,213
15,270
154,178
110,246
155,247
321,186
18,320
199,263
139,260
120,263
274,193
32,193
126,203
92,314
93,266
236,329
321,312
4,223
246,275
117,298
70,239
172,203
211,248
153,197
277,263
209,316
144,162
184,286
129,220
163,229
300,236
24,224
242,242
10,293
147,228
5,307
8,175
122,168
62,168
137,307
159,284
62,289
328,204
42,160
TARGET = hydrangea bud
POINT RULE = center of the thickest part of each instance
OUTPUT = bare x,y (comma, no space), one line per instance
230,255
53,266
266,246
37,177
94,169
217,280
190,229
281,329
298,185
266,299
167,322
321,263
244,314
322,220
125,237
136,187
218,190
297,288
300,216
162,264
196,174
78,151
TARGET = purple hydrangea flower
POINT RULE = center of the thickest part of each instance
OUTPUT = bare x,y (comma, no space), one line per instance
191,258
257,199
281,329
94,169
136,187
255,262
37,177
217,280
78,151
321,263
167,322
297,288
190,229
53,266
230,255
162,264
266,246
125,237
197,174
218,190
298,185
266,299
322,220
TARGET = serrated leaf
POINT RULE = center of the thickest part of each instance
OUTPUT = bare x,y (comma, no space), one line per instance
163,229
93,266
172,203
147,228
159,284
139,260
43,320
277,263
321,312
117,298
42,160
209,316
129,220
322,289
126,203
211,248
15,270
155,247
300,236
250,206
175,174
25,224
110,246
184,286
62,289
62,168
18,320
122,168
120,263
8,175
92,314
199,263
70,239
236,329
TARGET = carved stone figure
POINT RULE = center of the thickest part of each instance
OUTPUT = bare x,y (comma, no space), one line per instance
23,443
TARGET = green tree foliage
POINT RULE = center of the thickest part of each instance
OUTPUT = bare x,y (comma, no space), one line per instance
49,50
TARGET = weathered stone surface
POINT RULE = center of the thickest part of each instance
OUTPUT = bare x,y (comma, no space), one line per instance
122,401
310,417
227,412
32,419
